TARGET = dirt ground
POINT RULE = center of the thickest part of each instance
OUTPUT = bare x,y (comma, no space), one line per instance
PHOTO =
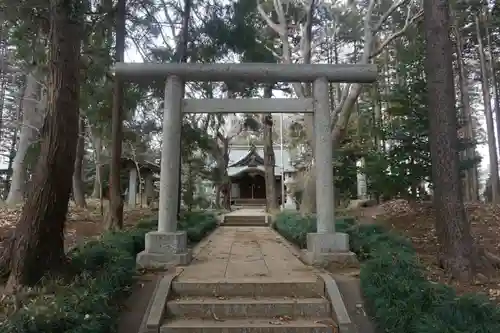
416,222
85,224
82,224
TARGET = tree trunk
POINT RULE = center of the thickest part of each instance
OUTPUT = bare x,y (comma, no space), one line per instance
182,56
12,154
494,84
190,189
490,128
32,122
78,184
227,196
269,157
377,116
308,203
115,215
224,186
308,198
218,190
40,230
226,182
13,145
452,227
472,188
3,81
387,144
97,190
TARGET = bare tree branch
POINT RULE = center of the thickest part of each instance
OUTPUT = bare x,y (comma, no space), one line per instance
388,13
153,17
274,53
276,27
281,29
408,23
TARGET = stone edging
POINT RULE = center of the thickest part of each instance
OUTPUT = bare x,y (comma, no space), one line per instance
142,327
155,311
332,291
341,316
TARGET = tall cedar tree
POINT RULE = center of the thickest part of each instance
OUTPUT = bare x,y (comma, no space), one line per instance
115,216
37,246
456,254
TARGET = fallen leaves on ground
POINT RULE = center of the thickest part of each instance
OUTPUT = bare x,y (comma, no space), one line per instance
81,224
416,222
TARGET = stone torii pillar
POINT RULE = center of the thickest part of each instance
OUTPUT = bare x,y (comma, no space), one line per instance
325,245
167,245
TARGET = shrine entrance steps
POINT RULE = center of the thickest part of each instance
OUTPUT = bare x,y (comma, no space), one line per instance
249,202
255,216
245,279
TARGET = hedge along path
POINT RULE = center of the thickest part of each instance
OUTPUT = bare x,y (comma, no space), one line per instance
416,222
106,269
397,293
82,225
103,269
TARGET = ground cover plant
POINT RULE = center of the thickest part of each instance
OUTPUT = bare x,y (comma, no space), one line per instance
103,270
397,293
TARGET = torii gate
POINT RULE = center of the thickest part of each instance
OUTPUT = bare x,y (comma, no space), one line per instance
167,245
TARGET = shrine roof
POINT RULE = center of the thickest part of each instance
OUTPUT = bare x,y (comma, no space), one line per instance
241,157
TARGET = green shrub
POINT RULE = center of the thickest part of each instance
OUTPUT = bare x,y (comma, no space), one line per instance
401,299
197,225
397,294
295,227
105,271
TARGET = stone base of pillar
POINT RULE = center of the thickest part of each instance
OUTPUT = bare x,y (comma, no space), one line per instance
164,250
324,249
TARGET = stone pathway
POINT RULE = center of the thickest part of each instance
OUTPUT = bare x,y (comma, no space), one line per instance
243,253
247,279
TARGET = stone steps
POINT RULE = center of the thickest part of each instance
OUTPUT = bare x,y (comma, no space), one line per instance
255,305
248,326
250,202
241,307
248,288
241,221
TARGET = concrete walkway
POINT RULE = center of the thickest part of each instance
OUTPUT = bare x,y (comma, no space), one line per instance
245,254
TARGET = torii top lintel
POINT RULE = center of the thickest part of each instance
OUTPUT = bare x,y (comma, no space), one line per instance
255,72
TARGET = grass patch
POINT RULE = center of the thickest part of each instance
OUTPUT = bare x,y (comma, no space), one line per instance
397,294
105,270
